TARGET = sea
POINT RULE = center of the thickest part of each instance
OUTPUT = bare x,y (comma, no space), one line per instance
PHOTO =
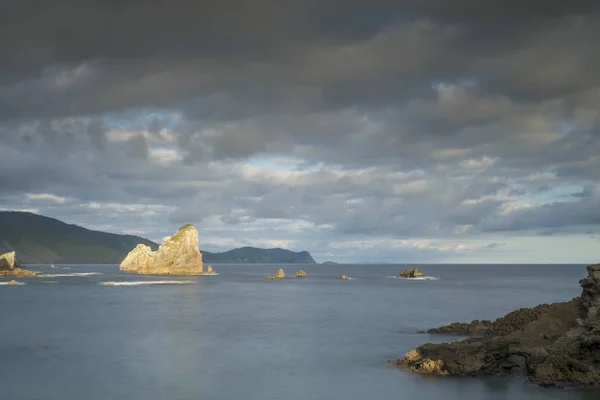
91,332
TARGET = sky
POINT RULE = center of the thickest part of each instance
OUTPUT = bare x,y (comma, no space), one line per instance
361,131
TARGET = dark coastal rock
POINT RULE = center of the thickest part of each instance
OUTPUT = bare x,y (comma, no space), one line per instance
10,267
509,323
554,344
411,273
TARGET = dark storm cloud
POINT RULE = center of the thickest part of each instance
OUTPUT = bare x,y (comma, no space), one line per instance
404,119
67,57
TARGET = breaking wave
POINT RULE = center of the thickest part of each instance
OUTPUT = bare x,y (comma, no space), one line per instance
14,284
73,274
421,278
140,283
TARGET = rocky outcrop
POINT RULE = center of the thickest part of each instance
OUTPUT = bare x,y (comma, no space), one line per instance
279,275
138,258
13,283
554,344
209,270
8,260
300,274
345,277
411,273
10,267
177,255
502,326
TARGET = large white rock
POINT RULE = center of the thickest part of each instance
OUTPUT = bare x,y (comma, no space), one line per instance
177,255
8,260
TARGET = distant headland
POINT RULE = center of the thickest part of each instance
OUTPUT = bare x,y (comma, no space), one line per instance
43,240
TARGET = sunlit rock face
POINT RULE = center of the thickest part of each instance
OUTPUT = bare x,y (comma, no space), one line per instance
177,255
10,267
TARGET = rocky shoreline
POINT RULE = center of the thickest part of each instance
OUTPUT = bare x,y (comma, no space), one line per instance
555,344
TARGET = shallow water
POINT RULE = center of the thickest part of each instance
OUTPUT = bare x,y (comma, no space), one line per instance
239,336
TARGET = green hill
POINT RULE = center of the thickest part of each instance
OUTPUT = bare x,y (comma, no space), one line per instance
39,239
44,240
259,256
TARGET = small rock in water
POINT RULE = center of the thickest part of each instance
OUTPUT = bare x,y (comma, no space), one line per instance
269,276
10,267
209,270
345,277
280,274
411,273
52,266
300,274
13,282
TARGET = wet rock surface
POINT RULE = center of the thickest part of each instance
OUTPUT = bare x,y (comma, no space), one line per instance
553,344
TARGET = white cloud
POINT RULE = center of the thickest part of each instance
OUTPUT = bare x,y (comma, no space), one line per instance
47,197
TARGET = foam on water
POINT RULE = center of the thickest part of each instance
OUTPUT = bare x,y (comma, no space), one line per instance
421,278
73,274
140,283
14,284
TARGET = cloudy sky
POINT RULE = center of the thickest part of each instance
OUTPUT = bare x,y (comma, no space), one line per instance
414,131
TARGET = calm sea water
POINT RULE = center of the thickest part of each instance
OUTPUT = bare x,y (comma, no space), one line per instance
238,336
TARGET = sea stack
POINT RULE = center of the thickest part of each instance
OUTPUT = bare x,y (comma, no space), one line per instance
554,344
10,267
345,277
177,255
411,273
300,274
280,274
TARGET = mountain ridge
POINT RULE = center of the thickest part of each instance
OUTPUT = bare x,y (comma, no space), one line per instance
255,255
39,239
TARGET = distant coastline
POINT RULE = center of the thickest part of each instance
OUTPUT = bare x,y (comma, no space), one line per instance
43,240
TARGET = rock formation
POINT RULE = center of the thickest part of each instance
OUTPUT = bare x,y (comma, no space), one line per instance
300,274
177,255
13,283
411,273
10,267
209,270
511,322
554,344
279,275
8,260
345,277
